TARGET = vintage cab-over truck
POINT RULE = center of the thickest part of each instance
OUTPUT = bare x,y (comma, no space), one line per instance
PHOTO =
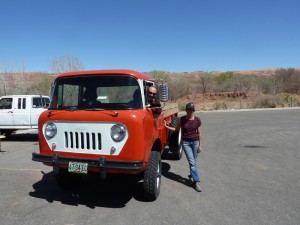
21,112
102,122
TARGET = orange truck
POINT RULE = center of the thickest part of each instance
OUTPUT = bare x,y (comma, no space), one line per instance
102,122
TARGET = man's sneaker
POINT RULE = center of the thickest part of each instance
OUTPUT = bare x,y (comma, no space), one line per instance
197,186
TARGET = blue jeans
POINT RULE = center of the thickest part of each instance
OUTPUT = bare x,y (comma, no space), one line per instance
191,151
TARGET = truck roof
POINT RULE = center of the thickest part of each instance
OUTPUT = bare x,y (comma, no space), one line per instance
133,73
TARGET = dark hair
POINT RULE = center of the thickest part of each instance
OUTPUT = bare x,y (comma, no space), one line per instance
190,105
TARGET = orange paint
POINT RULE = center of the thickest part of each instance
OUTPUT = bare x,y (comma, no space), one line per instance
146,131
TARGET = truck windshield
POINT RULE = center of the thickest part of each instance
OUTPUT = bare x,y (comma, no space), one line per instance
96,92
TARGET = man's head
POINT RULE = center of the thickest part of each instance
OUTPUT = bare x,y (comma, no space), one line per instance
151,94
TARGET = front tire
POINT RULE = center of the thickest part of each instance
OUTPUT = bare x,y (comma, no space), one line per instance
175,142
152,177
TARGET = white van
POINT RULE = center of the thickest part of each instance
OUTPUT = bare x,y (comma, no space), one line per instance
21,112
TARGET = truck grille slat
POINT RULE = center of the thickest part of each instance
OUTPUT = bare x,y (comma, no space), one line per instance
88,141
99,141
93,141
83,140
76,140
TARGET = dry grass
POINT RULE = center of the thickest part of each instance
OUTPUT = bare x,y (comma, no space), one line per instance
256,101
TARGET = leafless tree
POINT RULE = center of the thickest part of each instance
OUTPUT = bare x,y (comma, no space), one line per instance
179,87
241,83
63,64
205,83
3,80
287,80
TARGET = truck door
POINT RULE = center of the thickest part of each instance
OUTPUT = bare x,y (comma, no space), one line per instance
21,112
37,106
6,112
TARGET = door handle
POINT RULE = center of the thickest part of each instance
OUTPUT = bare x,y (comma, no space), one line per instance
10,111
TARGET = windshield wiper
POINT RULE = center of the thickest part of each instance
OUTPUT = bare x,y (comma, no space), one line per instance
91,109
67,109
94,109
100,109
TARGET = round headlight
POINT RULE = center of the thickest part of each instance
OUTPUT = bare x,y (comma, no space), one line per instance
118,132
50,130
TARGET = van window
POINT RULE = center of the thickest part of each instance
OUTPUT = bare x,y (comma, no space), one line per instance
6,103
24,103
19,103
46,102
39,102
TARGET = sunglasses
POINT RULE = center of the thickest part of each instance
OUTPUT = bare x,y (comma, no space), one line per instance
151,93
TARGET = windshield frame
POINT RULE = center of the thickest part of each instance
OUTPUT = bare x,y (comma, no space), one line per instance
132,82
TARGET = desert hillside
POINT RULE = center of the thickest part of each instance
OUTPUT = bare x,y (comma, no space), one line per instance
208,90
261,72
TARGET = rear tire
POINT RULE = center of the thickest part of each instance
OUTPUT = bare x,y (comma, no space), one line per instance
66,180
175,142
6,133
152,177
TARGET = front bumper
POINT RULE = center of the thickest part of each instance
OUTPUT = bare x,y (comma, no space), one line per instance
56,161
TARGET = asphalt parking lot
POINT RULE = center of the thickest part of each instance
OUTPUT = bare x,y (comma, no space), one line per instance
250,174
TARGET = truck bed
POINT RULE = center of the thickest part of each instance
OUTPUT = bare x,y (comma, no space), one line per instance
169,109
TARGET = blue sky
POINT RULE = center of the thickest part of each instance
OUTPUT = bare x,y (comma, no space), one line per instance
145,35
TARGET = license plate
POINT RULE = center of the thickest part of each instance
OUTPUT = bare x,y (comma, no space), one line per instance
77,167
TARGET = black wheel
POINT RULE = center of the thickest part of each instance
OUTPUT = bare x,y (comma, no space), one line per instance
66,180
6,133
152,177
175,142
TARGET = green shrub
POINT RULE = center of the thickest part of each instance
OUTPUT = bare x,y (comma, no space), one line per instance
220,105
290,100
181,106
265,102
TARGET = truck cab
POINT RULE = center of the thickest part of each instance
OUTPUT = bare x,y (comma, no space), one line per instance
21,112
102,122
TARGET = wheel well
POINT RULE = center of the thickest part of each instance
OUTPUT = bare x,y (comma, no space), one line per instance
157,146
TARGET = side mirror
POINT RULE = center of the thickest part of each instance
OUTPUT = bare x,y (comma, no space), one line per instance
163,92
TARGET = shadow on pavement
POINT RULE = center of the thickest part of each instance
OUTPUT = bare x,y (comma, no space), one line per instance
26,137
172,176
114,192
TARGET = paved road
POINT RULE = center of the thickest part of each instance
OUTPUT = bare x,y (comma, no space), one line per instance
249,169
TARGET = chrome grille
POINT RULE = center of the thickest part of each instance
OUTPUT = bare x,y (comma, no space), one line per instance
83,140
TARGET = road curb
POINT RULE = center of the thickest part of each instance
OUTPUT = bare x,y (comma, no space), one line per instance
246,110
